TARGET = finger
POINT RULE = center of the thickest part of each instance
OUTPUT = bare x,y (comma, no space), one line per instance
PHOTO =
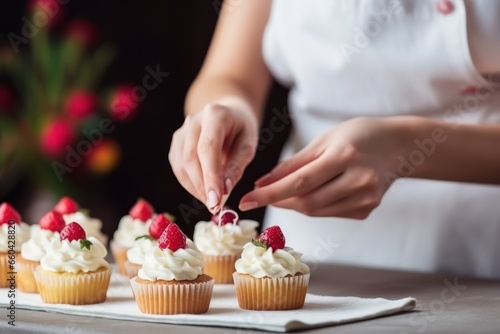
355,207
176,163
290,165
241,155
209,148
191,165
300,182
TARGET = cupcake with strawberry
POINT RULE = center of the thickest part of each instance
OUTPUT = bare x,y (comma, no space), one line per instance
221,241
13,233
131,226
270,276
73,269
171,280
142,244
71,212
34,249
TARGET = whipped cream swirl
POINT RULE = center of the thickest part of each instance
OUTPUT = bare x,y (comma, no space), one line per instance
137,253
68,256
35,247
260,262
21,233
183,264
128,229
227,239
92,226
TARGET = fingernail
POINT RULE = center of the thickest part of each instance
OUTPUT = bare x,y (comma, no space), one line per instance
229,185
263,179
212,199
248,206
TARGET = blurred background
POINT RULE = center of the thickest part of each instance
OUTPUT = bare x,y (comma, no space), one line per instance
78,74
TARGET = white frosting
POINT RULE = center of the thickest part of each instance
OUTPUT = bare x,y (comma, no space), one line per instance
66,256
35,247
227,239
137,253
92,226
21,234
183,264
129,229
260,262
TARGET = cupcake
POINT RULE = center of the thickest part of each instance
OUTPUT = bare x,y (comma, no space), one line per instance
171,280
270,276
221,241
131,226
73,270
71,212
13,233
34,249
142,244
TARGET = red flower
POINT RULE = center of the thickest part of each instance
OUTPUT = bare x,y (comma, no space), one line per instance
56,136
122,104
6,98
81,104
51,9
82,31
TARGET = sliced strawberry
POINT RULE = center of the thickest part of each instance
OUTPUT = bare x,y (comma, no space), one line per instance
52,221
172,238
73,231
226,218
66,205
158,225
8,214
273,238
142,210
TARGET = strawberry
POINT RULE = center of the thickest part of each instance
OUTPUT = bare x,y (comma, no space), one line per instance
272,237
73,231
226,218
66,205
172,238
52,221
8,214
142,210
158,225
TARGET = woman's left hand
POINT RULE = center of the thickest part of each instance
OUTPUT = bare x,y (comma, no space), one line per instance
343,173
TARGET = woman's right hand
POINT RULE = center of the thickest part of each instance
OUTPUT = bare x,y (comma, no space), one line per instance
211,150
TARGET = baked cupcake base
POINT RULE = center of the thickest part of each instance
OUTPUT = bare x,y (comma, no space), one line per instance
26,279
271,294
220,267
75,289
120,256
173,297
5,269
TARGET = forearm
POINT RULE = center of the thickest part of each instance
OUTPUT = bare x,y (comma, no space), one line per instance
441,150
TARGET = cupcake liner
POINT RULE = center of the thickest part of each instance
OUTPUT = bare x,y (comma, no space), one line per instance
75,289
173,298
5,277
267,293
26,280
132,269
120,256
220,267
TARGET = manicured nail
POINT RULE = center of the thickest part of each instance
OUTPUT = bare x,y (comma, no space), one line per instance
212,199
263,179
229,185
248,206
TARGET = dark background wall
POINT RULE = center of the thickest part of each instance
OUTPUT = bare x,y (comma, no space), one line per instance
174,35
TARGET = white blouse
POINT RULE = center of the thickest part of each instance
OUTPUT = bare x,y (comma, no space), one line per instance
349,58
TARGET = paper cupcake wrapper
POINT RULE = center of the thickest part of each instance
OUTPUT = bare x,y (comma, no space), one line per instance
25,277
221,267
132,269
173,298
5,269
120,256
282,293
75,289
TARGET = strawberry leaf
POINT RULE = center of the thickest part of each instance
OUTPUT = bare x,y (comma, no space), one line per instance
259,243
145,236
84,243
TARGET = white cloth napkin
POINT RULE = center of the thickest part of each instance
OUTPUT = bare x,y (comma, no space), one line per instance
318,311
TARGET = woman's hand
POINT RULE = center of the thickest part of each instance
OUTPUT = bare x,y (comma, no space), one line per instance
339,174
210,151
